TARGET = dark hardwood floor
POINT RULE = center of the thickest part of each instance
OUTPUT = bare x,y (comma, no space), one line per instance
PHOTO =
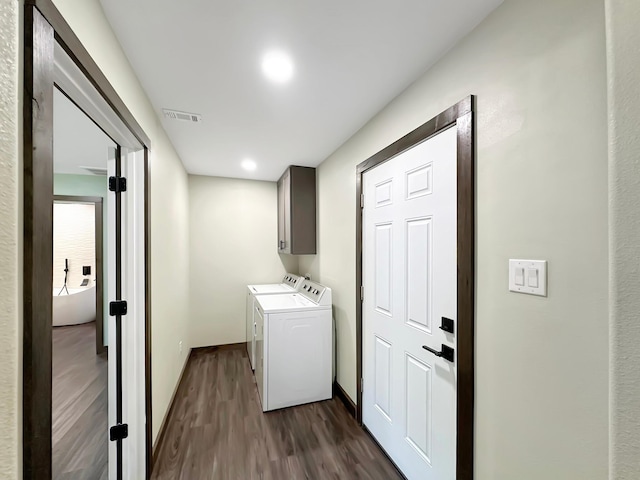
80,405
217,430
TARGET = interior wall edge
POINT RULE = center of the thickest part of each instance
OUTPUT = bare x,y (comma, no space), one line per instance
11,16
623,68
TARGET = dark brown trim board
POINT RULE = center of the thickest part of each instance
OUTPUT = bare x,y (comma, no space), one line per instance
339,392
74,48
97,201
43,26
462,115
38,244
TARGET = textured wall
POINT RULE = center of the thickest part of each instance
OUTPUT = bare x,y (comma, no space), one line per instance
538,69
73,239
169,204
233,237
623,56
10,248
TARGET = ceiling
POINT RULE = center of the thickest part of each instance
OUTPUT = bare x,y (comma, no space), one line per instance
350,60
77,141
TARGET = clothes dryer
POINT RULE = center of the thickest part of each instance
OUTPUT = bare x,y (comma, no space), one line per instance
290,284
294,347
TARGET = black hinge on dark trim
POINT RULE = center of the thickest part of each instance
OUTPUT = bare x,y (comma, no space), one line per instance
117,184
118,307
118,432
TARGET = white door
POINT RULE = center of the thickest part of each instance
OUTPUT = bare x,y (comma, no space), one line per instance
409,277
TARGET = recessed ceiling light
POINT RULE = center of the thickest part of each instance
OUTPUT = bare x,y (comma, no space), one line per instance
249,165
277,66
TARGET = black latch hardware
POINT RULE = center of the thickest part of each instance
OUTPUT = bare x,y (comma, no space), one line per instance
117,184
118,308
119,432
447,352
446,325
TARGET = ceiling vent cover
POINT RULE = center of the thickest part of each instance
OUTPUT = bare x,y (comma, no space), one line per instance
95,170
182,116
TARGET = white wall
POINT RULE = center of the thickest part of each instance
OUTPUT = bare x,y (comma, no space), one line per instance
538,70
623,55
169,204
10,240
233,242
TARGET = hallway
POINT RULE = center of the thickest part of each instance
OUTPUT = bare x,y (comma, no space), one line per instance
217,430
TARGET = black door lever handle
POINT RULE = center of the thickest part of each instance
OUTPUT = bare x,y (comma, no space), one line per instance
447,352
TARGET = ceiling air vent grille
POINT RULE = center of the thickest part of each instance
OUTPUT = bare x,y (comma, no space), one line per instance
182,116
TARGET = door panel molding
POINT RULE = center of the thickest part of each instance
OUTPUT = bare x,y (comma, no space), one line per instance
462,116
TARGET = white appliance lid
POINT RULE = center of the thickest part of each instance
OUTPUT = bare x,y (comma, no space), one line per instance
270,288
287,303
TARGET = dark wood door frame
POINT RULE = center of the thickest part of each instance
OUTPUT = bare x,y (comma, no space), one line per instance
99,247
44,25
462,116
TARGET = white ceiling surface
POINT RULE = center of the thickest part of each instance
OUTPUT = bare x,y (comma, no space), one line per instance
351,59
77,141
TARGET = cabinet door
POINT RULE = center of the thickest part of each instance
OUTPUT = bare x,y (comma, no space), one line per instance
286,212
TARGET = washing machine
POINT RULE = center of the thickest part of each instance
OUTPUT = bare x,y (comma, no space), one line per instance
290,284
294,347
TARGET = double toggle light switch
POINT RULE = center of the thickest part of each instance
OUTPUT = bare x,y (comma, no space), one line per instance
528,276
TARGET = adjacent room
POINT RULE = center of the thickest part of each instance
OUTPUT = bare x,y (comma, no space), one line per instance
79,313
293,240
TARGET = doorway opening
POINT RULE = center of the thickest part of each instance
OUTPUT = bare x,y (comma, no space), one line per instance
396,266
80,366
56,63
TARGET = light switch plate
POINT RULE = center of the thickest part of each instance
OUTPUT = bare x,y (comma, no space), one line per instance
528,265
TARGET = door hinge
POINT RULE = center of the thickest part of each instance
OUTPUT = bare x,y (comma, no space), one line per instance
118,308
119,432
362,200
117,184
361,385
362,293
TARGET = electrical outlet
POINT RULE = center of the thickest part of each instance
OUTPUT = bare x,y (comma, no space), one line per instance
180,346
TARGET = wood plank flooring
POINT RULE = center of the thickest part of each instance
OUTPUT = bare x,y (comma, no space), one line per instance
217,430
80,405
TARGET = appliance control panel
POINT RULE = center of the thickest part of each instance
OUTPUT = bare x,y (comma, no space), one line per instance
315,292
291,280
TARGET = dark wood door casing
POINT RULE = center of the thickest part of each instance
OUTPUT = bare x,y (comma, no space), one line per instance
38,244
44,25
461,117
